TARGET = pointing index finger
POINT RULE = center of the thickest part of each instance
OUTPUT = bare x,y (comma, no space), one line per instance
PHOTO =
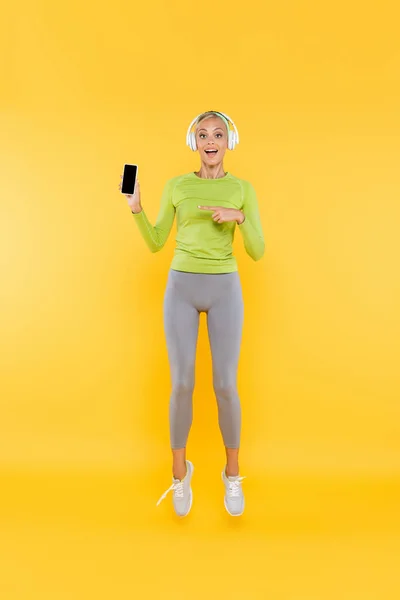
208,207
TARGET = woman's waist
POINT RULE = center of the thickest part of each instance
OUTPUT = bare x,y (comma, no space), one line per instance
184,261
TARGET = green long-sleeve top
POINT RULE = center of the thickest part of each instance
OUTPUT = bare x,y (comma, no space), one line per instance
202,245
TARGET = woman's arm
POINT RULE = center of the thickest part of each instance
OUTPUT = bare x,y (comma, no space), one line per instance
155,237
251,227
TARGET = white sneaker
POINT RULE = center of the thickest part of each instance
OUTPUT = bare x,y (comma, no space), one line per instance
234,499
183,496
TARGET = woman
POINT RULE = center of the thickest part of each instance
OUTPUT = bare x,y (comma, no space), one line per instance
203,277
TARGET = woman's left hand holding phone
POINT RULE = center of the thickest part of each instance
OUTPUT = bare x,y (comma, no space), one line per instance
133,199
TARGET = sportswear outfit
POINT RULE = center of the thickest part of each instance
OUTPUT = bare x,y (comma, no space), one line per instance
204,277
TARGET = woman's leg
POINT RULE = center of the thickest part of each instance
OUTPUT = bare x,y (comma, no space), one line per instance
225,323
181,325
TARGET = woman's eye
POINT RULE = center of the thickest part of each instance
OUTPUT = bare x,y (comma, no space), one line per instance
220,134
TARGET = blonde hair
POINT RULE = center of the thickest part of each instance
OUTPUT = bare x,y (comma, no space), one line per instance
211,113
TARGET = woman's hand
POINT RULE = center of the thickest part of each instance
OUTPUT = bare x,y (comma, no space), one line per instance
133,199
224,215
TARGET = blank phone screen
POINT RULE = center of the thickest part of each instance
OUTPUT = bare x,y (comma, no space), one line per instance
129,179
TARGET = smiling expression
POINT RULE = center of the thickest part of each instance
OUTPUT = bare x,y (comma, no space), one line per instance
212,140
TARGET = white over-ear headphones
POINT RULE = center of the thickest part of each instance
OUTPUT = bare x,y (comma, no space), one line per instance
233,134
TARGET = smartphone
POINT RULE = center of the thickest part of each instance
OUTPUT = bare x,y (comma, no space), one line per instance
129,179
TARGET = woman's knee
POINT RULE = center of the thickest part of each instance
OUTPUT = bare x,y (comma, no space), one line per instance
226,391
182,390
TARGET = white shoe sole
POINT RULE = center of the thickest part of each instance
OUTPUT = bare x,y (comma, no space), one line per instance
226,507
233,514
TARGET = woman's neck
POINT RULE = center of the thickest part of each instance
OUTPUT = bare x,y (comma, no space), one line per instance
211,173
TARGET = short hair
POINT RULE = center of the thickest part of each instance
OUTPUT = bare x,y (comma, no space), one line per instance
211,113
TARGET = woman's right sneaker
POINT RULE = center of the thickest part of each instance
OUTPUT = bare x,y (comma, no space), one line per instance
182,492
234,498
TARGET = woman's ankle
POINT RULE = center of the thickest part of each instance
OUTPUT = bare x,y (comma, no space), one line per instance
179,463
232,462
232,471
179,471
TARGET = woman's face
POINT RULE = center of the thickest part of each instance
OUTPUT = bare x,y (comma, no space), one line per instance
211,135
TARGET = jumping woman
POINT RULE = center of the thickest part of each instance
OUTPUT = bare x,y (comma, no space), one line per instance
203,277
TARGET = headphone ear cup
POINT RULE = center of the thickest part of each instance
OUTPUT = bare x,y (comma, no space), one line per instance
193,141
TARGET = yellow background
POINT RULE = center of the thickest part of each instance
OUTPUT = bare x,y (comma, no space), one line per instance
314,90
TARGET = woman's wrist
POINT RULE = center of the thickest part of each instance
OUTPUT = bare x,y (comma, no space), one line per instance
137,211
241,218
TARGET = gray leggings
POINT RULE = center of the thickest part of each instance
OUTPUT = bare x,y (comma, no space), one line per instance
220,296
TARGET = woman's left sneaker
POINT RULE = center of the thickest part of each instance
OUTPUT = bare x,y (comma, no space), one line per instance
182,492
234,499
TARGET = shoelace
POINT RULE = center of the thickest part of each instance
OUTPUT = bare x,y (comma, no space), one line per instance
177,487
234,487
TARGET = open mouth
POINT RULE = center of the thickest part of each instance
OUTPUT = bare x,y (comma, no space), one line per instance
211,152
